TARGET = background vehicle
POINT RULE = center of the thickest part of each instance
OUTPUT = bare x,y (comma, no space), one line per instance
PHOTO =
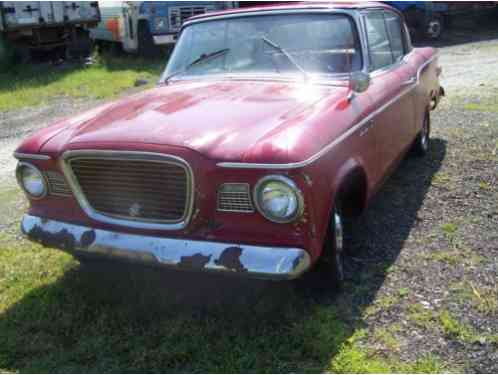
425,19
45,25
430,18
141,26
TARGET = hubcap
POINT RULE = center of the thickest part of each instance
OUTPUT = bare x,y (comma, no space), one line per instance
339,243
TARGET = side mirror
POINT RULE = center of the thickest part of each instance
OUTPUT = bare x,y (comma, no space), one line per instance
360,82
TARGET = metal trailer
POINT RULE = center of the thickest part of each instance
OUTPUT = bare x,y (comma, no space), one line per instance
142,26
45,25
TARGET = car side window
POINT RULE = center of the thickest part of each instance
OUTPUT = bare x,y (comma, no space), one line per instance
379,45
393,23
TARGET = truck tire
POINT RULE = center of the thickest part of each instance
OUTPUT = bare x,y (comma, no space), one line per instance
81,47
435,27
146,46
6,54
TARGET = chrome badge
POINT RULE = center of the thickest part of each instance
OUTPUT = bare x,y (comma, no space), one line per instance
135,210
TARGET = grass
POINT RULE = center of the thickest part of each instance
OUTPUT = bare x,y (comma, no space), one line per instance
487,106
422,317
34,85
456,330
454,257
57,316
482,299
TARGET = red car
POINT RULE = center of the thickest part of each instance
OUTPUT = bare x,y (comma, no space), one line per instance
269,126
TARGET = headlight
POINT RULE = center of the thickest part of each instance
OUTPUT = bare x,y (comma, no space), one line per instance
31,180
278,199
160,23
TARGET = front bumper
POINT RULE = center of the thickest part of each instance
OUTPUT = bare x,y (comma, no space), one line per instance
160,40
273,263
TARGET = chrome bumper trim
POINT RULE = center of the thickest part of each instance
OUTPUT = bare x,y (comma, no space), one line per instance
273,263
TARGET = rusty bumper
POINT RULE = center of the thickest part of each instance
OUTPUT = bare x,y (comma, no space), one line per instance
274,263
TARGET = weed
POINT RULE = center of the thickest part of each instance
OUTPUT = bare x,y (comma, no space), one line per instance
382,303
449,229
385,336
403,292
422,317
453,329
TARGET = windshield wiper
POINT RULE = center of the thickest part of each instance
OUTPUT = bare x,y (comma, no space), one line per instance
202,58
286,54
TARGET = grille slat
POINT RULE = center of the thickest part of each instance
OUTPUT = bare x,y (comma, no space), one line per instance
235,197
57,184
137,190
122,182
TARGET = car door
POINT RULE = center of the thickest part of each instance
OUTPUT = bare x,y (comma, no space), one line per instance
406,70
388,123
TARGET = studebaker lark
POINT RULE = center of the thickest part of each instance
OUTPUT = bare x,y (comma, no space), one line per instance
268,128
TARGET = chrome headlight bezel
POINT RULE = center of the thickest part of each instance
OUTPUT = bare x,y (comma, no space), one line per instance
288,183
20,180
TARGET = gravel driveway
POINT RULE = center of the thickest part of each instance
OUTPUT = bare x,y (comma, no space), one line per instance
423,270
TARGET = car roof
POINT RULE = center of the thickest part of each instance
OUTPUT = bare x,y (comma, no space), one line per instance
294,5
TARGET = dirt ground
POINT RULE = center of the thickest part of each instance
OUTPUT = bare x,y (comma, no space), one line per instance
423,270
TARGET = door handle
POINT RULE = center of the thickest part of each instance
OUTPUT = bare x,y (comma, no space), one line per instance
409,82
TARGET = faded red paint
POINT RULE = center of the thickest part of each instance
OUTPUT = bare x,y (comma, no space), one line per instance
210,121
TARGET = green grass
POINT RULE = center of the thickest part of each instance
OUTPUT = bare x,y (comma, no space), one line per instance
487,106
35,85
57,316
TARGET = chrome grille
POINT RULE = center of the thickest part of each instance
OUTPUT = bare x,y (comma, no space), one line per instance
57,184
234,197
178,15
130,186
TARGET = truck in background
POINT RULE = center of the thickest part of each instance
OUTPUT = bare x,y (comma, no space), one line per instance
428,19
142,26
27,26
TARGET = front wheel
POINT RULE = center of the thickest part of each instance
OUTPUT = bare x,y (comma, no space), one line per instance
334,251
328,273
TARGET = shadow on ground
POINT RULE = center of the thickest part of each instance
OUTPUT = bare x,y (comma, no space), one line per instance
129,319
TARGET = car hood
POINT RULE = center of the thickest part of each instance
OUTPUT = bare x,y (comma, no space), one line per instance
229,121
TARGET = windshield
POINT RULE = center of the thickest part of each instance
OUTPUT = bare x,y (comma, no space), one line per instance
281,44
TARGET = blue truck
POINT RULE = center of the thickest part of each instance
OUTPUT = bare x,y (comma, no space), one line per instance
428,19
142,26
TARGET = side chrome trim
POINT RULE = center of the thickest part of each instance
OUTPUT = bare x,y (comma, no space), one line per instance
20,155
128,155
264,262
336,141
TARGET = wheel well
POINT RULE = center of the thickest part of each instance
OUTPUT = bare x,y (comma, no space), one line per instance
351,196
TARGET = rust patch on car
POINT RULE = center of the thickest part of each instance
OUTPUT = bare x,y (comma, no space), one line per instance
63,239
196,261
230,258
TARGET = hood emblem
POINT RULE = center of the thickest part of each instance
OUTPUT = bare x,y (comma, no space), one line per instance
135,210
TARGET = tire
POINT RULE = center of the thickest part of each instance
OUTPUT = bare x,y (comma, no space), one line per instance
328,273
435,28
81,46
422,142
146,46
6,54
